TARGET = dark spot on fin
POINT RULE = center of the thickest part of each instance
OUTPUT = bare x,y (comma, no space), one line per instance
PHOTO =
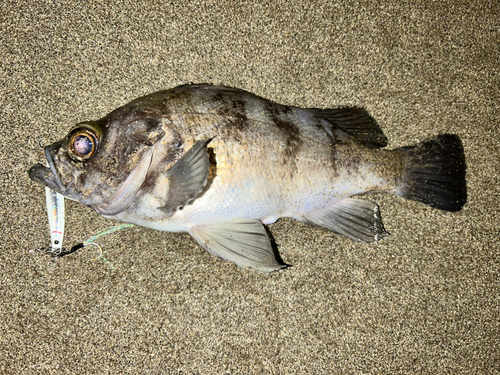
357,219
435,173
241,241
355,122
187,177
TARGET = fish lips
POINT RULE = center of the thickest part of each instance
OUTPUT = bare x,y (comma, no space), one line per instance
48,176
43,175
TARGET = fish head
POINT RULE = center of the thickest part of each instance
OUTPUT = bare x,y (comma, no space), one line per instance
101,163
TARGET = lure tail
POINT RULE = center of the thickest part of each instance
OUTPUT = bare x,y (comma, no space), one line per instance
435,173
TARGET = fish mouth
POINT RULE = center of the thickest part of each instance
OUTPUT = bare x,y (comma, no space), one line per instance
48,176
118,202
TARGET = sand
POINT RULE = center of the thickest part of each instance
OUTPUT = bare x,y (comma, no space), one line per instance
423,300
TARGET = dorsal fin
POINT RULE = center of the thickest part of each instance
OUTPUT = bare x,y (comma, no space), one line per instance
356,122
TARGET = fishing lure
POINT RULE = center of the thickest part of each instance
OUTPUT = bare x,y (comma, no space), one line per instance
55,211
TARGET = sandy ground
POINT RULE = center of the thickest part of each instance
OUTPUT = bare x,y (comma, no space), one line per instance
423,300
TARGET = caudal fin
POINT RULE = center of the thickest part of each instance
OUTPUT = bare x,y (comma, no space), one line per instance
435,173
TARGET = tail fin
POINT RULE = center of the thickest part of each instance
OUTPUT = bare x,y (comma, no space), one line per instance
435,173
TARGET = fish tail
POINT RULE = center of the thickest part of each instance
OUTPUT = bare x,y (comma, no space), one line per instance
435,173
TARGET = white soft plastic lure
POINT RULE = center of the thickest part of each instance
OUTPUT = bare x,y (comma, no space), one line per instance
55,211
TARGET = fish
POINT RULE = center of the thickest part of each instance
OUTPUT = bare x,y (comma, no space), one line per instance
221,163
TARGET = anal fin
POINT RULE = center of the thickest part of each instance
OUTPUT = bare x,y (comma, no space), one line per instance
241,241
355,218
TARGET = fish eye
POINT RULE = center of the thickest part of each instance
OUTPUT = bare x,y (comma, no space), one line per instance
82,143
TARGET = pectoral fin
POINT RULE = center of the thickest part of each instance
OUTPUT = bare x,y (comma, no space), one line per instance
187,177
241,241
355,218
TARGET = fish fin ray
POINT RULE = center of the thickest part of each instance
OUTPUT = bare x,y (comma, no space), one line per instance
435,173
356,122
126,193
188,177
241,241
357,219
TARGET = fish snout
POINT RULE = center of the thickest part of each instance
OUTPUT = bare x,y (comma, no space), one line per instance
42,174
47,175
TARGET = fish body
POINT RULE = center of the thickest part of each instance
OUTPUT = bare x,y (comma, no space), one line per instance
219,162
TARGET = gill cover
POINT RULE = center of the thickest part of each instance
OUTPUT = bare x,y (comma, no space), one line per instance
124,196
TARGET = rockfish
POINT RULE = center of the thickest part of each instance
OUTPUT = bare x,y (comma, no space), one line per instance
219,162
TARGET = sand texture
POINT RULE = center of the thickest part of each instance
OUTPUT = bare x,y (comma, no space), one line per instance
423,300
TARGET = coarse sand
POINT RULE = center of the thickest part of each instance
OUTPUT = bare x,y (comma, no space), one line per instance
423,300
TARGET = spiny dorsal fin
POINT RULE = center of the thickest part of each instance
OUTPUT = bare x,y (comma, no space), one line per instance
355,122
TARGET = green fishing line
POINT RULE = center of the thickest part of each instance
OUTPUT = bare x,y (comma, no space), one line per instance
90,241
109,230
